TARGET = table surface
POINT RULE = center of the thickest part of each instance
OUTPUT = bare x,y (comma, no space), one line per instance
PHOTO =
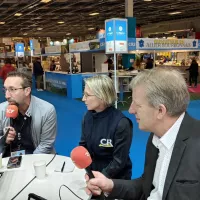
13,180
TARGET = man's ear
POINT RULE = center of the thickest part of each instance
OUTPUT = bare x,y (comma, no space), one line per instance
27,91
162,110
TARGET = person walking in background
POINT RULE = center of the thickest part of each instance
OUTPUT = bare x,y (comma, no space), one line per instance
6,69
149,64
38,73
106,132
193,73
53,66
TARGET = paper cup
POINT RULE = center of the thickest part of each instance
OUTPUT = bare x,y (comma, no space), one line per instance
40,169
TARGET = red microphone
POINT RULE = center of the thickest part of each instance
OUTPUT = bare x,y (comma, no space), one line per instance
82,159
12,111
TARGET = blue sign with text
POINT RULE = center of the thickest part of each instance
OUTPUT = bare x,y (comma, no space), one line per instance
31,44
109,31
121,30
19,47
116,36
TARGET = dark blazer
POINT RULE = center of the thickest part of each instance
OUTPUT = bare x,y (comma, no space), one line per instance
183,176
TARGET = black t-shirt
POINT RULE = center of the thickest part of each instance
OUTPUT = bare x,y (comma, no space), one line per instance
23,139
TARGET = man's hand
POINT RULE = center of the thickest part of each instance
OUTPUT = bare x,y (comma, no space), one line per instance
11,135
98,184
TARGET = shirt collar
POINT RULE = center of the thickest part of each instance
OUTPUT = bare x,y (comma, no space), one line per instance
29,111
169,138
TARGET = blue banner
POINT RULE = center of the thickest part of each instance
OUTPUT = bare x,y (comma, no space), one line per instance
109,30
19,47
121,30
31,44
116,36
131,44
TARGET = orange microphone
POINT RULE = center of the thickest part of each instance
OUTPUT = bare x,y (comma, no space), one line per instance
12,111
82,159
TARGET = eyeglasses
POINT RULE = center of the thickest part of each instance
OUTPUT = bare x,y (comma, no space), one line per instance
12,90
88,95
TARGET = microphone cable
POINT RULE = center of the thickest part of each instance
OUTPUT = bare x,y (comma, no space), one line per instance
70,191
32,179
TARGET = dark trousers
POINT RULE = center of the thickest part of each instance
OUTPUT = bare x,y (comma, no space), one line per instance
38,80
193,78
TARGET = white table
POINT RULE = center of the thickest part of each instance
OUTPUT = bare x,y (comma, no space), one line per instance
13,181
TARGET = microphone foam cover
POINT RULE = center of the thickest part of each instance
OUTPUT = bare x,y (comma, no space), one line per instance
12,111
81,157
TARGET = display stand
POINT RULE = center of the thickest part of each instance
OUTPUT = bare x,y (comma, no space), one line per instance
116,41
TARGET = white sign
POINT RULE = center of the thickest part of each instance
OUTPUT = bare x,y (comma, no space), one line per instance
81,46
10,54
52,49
173,44
37,51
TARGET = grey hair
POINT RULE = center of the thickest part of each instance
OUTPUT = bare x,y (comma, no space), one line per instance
164,86
103,88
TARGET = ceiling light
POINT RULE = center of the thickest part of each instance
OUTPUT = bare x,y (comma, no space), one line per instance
92,14
39,29
45,1
2,22
68,33
25,34
90,28
61,22
17,14
147,0
174,13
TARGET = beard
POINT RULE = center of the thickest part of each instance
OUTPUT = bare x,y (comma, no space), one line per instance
12,102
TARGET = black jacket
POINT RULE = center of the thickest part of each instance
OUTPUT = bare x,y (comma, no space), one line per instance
107,136
183,175
193,69
37,69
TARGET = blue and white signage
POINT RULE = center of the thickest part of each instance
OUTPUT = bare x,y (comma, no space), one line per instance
31,44
19,49
116,36
166,44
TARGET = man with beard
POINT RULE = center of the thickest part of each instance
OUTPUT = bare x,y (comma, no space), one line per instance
34,130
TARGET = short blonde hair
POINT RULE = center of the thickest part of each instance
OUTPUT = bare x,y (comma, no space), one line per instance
103,88
164,86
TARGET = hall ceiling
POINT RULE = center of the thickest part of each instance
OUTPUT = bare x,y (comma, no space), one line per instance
40,19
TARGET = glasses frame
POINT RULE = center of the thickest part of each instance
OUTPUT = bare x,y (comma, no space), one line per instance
13,90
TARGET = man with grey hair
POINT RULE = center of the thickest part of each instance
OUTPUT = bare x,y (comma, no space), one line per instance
171,172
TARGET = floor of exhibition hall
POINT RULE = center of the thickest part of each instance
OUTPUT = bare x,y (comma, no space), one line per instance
70,113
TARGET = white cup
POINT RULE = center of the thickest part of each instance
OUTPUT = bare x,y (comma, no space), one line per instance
1,160
40,169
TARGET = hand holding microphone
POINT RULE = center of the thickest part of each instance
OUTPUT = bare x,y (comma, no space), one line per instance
12,113
97,182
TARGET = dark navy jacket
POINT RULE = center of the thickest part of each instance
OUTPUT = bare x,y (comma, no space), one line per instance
107,136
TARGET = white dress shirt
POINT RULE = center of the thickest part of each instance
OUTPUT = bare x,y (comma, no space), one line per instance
165,144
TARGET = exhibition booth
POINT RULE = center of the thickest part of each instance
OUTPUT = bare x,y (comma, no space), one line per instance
72,85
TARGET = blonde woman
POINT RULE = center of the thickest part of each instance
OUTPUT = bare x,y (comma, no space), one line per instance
106,132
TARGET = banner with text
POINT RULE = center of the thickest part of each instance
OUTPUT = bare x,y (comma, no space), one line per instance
19,49
116,36
166,44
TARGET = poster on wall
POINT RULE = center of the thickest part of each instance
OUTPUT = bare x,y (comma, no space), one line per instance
56,83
